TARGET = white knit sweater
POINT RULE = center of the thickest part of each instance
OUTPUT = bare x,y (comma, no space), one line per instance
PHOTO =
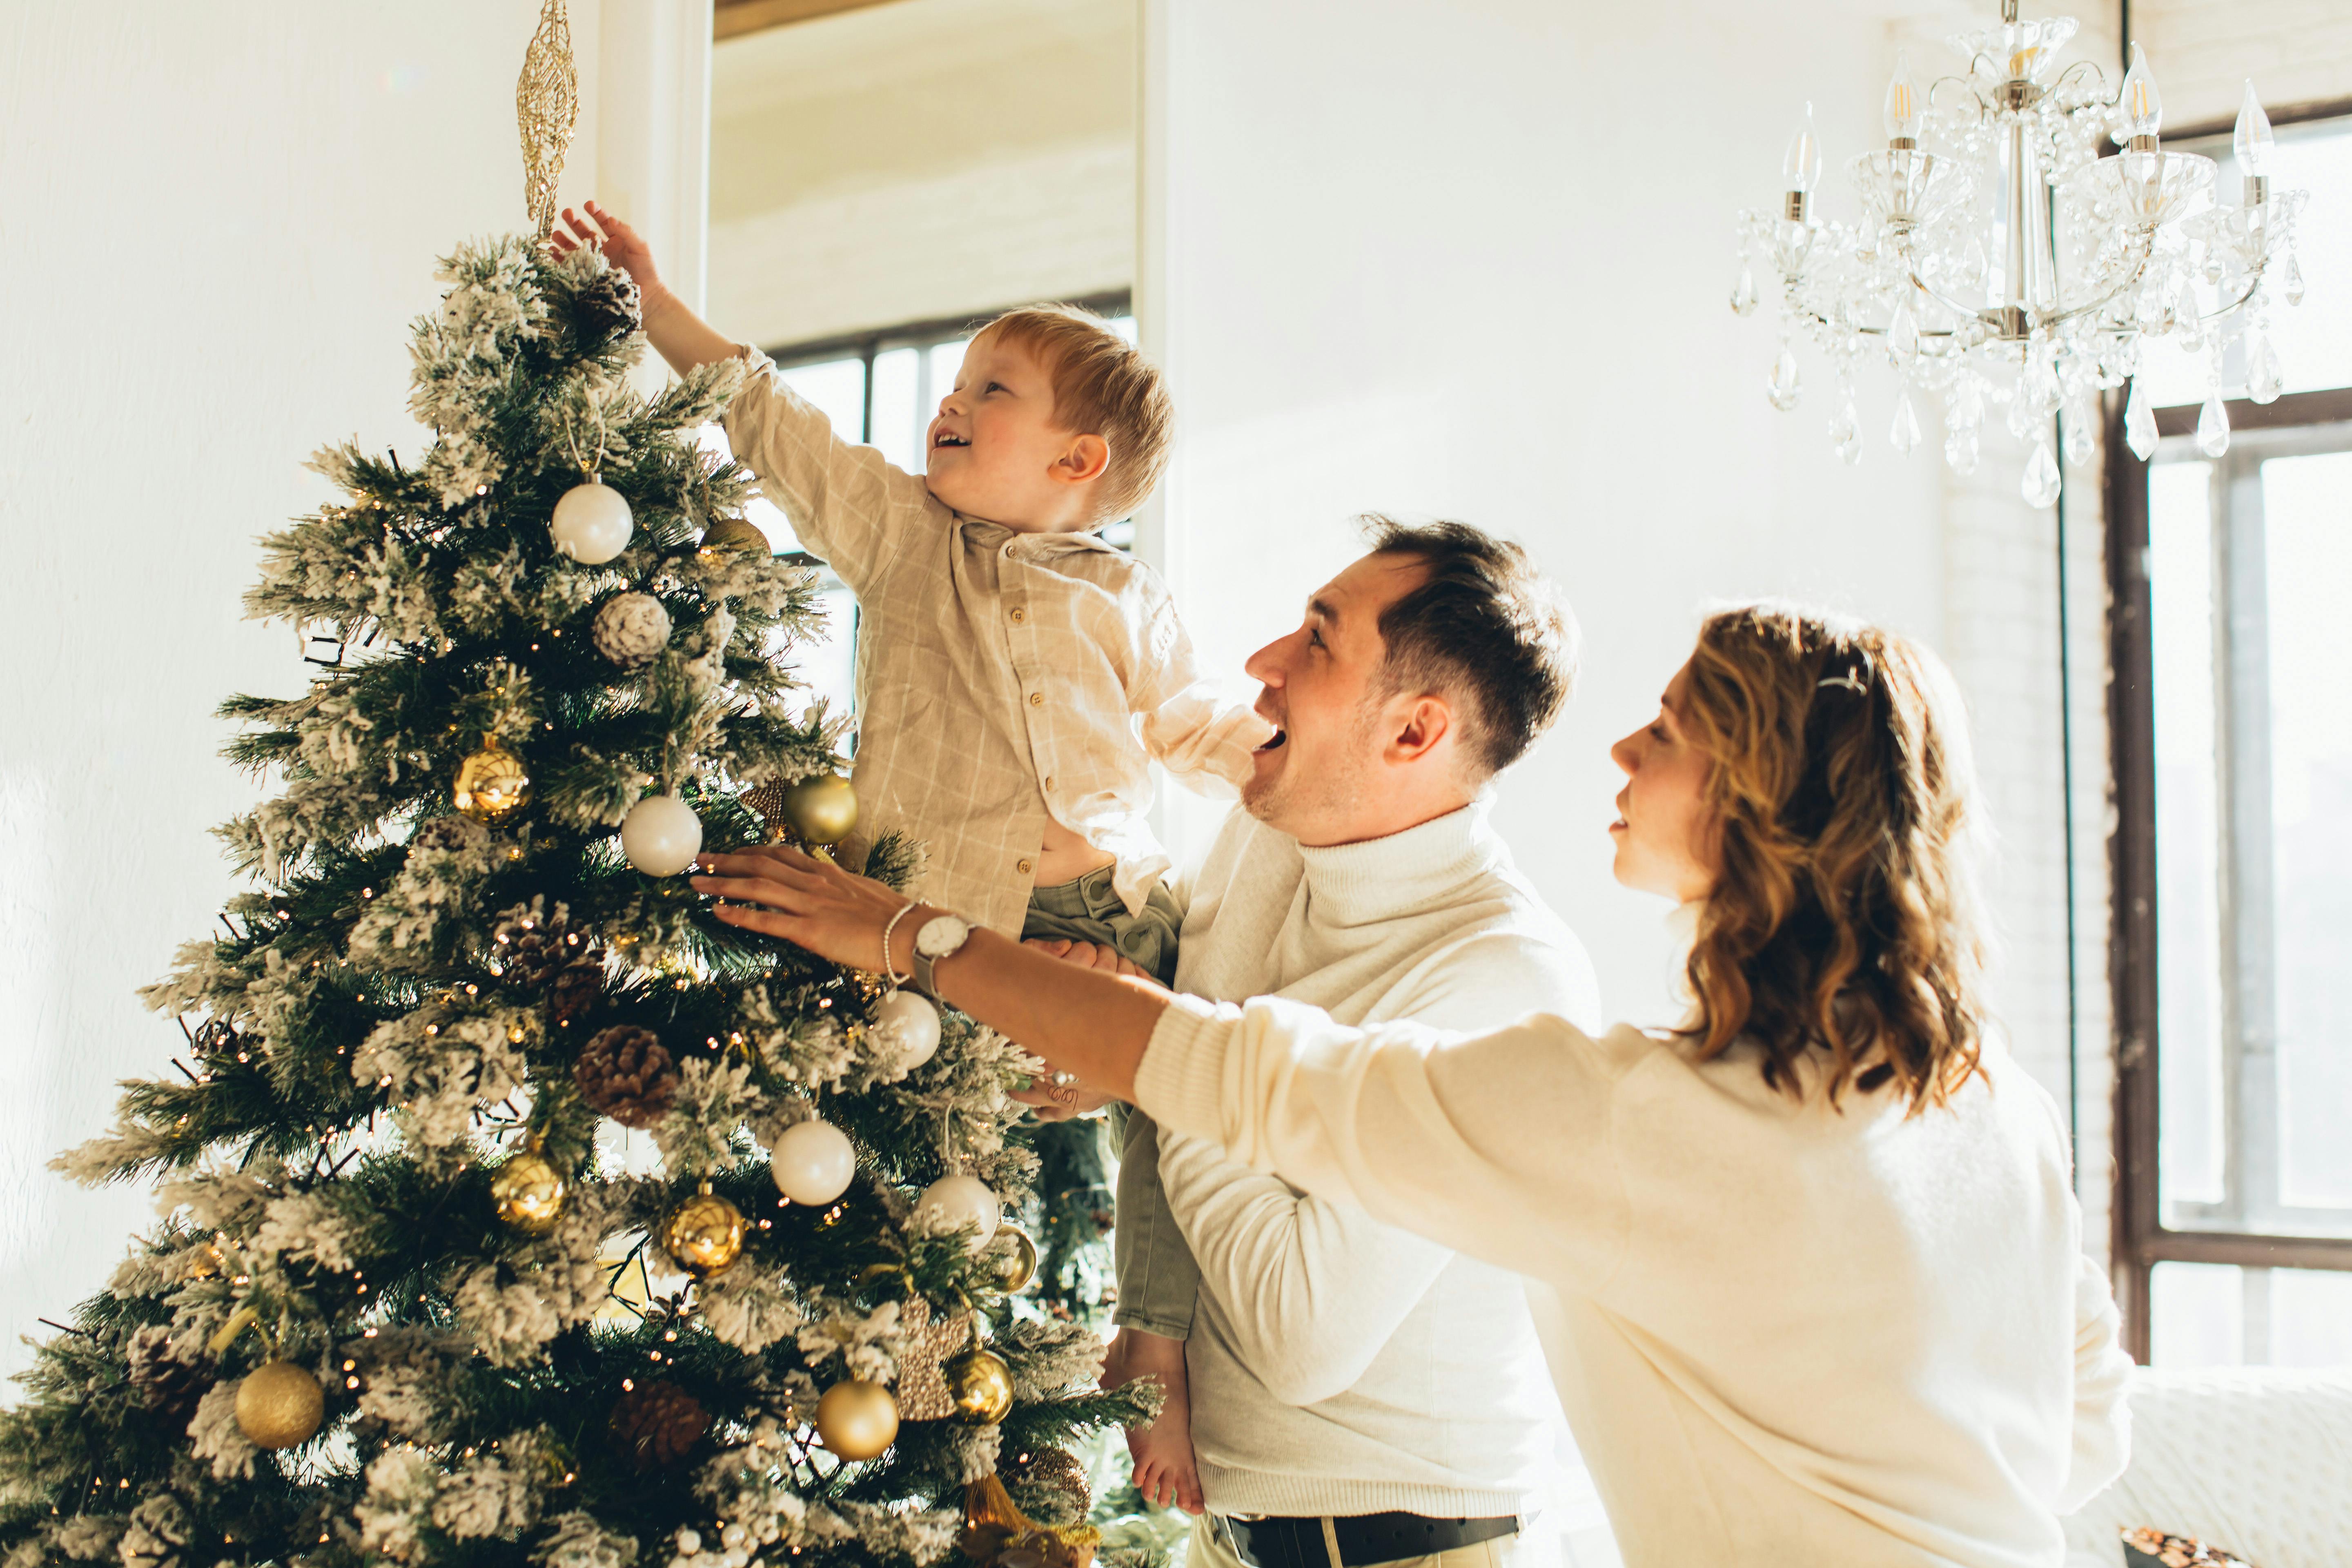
1784,1334
1339,1365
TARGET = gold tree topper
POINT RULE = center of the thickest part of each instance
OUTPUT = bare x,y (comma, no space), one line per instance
547,106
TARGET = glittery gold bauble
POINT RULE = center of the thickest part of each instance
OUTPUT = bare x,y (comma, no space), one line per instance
1011,1271
981,1386
529,1193
856,1420
492,783
736,533
704,1234
278,1405
822,810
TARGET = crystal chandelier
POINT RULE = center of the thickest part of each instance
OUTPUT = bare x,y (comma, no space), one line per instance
2036,299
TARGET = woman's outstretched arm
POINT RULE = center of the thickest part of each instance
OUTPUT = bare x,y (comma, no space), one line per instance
1087,1022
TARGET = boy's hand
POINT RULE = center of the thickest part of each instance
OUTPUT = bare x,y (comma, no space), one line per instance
621,244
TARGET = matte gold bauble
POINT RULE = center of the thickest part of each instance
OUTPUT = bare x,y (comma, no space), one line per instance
1011,1271
279,1405
529,1193
856,1420
736,533
704,1234
492,783
822,810
981,1386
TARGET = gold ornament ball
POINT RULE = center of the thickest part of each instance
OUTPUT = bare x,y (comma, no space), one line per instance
1011,1272
529,1193
492,784
705,1234
981,1386
856,1420
736,533
822,810
279,1405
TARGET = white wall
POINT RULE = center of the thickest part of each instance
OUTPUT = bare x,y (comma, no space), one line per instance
217,224
1473,259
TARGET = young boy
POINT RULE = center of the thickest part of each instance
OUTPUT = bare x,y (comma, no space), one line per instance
1003,652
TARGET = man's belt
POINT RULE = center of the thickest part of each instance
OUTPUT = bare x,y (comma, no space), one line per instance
1359,1539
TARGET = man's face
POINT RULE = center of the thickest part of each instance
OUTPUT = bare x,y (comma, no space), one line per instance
1318,780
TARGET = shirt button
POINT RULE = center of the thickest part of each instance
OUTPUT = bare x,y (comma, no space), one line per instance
1019,614
1049,781
1027,866
1036,699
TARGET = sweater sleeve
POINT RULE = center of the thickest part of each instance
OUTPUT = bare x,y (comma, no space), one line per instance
1459,1140
1311,1292
1196,728
2102,1378
845,502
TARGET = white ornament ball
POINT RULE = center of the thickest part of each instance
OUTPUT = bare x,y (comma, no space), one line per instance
959,1203
910,1022
591,523
630,629
661,835
813,1161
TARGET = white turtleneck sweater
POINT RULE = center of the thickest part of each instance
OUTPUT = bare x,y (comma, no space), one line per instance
1339,1365
1786,1334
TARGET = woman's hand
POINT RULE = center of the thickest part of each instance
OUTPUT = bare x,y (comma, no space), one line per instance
622,246
808,903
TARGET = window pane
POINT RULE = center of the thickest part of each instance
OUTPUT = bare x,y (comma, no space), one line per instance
2187,837
827,665
899,413
2311,1318
2307,538
837,386
2196,1315
946,359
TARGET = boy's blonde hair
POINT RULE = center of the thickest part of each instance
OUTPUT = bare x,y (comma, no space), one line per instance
1102,386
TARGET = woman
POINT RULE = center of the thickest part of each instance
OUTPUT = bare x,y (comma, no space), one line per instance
1809,1272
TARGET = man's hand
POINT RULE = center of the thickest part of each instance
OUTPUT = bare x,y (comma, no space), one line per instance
622,246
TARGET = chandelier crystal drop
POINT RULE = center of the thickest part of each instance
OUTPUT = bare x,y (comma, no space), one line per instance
2001,260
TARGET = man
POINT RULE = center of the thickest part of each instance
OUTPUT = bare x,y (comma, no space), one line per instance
1358,1394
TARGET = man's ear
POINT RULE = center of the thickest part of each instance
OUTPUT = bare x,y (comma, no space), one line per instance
1419,726
1085,458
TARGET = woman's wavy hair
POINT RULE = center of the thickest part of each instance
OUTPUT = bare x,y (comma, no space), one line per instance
1843,925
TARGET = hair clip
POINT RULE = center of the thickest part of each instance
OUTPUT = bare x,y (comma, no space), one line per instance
1850,680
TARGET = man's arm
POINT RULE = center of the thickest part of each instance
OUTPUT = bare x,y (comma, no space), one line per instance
1311,1292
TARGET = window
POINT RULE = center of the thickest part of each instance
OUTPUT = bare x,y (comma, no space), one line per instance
2233,855
881,389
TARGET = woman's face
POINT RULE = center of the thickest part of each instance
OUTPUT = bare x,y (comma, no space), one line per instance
1665,834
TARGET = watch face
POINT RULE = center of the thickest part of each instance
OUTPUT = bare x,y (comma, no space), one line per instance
940,935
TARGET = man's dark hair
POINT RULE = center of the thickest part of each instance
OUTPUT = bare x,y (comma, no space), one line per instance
1485,630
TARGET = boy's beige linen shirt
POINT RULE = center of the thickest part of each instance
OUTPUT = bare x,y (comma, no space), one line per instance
1000,675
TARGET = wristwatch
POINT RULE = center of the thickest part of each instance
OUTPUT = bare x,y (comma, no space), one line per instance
942,936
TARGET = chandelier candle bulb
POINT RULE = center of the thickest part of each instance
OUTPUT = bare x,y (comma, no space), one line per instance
2254,142
1902,107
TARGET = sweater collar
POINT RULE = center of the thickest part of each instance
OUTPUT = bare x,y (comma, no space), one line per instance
1380,879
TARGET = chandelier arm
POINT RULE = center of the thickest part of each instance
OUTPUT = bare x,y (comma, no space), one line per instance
2093,66
1965,85
2138,272
2239,303
1973,312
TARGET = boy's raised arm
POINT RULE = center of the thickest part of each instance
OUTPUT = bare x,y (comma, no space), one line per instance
842,499
676,333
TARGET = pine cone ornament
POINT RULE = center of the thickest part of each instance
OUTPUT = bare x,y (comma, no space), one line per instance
626,1072
170,1387
609,306
449,832
531,943
1049,1484
631,630
655,1423
576,990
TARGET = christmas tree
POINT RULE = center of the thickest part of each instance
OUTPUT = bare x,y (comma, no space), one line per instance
518,1210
